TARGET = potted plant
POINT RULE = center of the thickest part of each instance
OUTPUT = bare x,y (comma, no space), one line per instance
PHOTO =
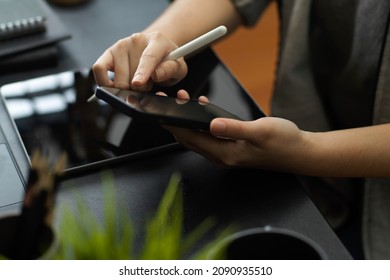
82,236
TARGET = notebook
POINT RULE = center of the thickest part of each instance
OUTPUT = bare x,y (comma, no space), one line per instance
52,32
21,17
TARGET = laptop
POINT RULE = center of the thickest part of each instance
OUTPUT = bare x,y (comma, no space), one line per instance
14,163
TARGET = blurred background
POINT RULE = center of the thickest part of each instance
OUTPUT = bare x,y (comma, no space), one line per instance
251,56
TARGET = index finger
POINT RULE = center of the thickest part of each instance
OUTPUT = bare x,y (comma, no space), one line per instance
156,51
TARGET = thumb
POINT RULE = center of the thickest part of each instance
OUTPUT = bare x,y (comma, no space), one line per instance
230,128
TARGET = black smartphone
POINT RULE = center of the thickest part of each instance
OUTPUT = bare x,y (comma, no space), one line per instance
163,109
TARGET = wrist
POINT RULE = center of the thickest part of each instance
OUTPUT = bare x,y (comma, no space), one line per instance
308,156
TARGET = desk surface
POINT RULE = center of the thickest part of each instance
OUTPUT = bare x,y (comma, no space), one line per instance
246,197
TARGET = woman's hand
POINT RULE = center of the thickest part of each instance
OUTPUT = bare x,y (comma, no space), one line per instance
271,143
138,62
278,144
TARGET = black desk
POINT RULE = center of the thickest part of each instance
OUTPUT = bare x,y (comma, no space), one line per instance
249,198
246,198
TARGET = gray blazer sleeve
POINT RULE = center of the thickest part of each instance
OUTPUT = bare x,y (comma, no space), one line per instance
250,10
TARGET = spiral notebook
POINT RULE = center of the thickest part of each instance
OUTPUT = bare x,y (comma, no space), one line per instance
28,24
21,17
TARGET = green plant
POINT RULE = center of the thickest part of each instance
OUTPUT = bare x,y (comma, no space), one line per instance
82,236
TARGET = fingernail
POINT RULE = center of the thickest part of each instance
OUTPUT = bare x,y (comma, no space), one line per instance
218,127
137,77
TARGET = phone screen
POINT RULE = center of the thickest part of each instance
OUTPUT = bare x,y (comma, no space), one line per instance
163,109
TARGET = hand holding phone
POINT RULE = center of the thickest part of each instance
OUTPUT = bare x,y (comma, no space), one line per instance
163,109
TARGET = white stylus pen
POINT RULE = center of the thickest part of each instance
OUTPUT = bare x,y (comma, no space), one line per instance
191,46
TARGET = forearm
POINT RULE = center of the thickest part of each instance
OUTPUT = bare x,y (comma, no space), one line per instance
185,20
360,152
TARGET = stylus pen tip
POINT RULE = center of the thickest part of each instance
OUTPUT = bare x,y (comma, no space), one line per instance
92,98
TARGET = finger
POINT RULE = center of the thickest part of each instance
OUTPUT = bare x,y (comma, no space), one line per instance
170,72
142,88
233,129
215,149
140,42
119,53
101,67
203,99
151,57
160,93
199,141
183,94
